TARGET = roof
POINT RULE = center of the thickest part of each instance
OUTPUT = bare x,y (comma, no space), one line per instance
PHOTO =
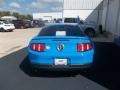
47,15
55,24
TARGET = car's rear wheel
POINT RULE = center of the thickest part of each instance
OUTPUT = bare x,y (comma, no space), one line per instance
2,30
10,30
90,32
34,70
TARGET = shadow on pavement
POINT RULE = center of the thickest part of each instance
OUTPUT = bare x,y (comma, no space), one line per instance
105,70
42,73
106,67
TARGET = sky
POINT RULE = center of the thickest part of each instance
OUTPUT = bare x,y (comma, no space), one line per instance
31,6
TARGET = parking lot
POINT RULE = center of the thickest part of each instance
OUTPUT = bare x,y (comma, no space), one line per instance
15,73
13,41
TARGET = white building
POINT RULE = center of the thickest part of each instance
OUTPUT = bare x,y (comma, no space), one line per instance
89,10
47,16
8,18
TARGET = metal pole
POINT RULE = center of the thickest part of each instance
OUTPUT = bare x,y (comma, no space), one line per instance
106,14
62,10
98,15
116,32
119,19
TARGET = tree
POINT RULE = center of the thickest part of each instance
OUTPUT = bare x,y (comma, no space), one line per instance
16,14
5,13
29,17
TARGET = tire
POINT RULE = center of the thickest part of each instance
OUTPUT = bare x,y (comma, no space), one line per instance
90,32
11,31
33,70
21,27
2,30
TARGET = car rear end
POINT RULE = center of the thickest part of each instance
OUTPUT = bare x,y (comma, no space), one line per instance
9,27
61,48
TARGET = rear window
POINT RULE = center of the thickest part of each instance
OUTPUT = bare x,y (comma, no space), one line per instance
66,30
70,20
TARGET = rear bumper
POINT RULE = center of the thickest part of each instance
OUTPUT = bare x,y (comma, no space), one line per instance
61,67
11,29
74,60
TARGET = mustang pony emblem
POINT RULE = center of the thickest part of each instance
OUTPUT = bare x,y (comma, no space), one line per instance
60,47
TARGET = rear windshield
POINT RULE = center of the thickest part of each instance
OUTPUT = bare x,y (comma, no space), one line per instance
70,20
66,30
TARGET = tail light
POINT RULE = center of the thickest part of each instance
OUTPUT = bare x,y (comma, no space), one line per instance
81,47
38,47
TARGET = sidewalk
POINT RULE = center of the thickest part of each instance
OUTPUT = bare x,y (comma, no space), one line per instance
105,37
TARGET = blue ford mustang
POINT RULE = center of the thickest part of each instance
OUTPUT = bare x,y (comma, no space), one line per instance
61,46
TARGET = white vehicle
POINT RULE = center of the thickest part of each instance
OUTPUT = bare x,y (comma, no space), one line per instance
5,26
88,28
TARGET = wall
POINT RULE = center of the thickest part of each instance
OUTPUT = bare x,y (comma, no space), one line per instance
81,4
112,16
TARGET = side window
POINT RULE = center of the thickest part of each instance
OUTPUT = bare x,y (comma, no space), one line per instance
70,20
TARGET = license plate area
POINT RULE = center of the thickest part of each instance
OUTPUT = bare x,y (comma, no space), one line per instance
61,61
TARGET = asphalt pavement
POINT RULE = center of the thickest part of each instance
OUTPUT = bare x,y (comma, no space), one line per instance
103,75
